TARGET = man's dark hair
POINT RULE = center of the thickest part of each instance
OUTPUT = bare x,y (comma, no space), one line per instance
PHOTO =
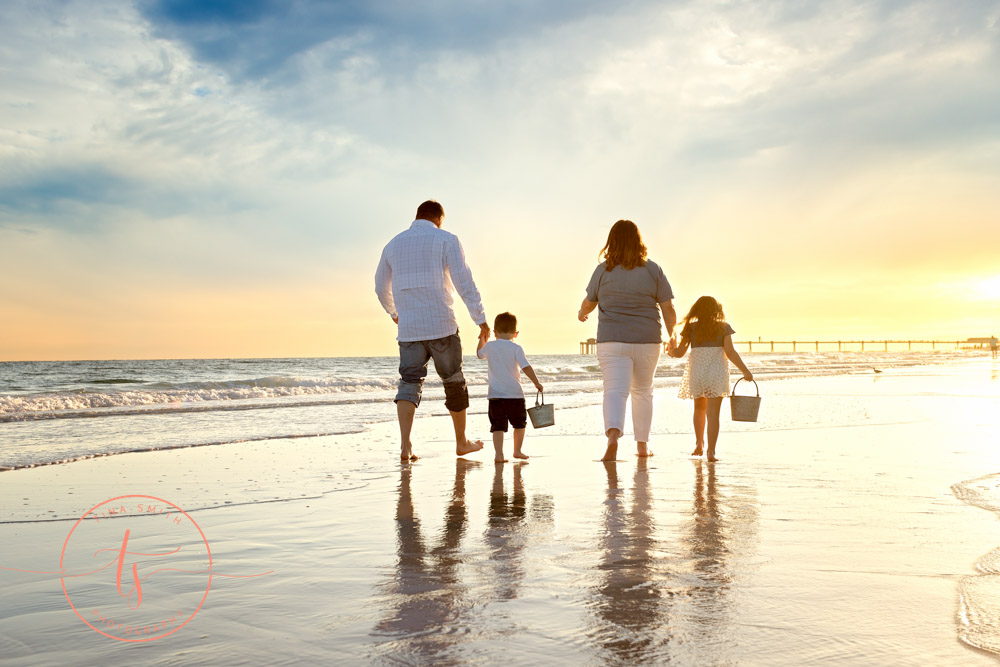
505,323
430,210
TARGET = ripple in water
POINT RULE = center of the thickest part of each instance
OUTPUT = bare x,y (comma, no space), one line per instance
979,594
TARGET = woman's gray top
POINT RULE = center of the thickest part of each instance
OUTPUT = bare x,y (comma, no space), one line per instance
627,302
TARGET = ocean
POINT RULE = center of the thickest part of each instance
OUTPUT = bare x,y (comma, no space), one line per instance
60,411
846,526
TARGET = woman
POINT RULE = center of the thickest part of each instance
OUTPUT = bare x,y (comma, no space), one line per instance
628,287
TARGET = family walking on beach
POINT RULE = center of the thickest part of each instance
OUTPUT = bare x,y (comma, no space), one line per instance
422,266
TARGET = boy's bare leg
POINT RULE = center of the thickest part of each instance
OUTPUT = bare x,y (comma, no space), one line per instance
518,441
700,409
611,454
714,406
463,445
405,411
498,447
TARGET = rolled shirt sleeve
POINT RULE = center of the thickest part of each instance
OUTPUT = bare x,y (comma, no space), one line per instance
461,278
383,285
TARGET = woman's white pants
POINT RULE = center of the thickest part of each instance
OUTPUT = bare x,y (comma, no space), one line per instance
628,368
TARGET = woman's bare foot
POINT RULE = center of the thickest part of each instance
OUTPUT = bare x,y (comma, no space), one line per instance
499,459
611,454
643,450
469,447
712,458
698,449
520,455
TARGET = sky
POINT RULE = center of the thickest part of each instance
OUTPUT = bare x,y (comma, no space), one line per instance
184,179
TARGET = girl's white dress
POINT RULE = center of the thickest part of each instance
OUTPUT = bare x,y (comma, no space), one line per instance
707,372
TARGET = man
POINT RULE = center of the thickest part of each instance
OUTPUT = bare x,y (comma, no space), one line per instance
418,271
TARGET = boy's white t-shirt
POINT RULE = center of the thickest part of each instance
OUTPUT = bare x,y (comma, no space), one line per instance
504,361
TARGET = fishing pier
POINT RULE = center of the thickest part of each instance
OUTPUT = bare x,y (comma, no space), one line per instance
589,346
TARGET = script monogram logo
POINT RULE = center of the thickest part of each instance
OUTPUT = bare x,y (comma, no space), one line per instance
162,568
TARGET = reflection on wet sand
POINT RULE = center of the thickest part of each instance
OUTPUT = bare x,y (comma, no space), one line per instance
504,535
438,594
720,537
659,586
428,598
655,603
706,541
631,625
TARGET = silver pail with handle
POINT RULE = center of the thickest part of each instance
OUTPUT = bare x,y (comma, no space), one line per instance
744,408
542,414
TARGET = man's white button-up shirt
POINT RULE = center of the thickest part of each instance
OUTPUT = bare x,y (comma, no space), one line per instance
418,271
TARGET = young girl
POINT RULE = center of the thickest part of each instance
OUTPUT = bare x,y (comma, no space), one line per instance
706,378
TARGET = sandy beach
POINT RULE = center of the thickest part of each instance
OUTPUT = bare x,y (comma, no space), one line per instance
828,534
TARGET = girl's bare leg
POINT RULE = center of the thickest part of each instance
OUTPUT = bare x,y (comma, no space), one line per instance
700,410
714,406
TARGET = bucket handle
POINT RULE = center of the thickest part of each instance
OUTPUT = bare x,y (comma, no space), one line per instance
754,384
537,394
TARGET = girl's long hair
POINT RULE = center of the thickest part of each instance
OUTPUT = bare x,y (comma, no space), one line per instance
624,247
705,321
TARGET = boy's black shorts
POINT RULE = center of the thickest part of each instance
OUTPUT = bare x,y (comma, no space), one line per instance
503,410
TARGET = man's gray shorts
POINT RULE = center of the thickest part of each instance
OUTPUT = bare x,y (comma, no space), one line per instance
447,355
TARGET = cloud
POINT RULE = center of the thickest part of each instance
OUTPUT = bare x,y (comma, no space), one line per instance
257,39
299,135
49,191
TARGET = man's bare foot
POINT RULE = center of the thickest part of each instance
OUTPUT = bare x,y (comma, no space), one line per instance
643,450
711,458
499,460
469,447
520,455
698,449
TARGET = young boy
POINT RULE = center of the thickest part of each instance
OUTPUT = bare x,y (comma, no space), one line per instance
504,361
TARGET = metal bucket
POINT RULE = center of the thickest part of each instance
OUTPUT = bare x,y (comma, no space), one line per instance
542,415
744,408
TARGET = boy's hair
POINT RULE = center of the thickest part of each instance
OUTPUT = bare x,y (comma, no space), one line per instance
505,323
430,209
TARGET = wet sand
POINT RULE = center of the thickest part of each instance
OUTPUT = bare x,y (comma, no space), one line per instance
828,534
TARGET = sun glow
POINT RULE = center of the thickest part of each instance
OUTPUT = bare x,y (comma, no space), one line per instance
989,288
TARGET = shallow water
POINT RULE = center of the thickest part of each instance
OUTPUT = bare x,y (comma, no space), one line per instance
829,533
52,412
